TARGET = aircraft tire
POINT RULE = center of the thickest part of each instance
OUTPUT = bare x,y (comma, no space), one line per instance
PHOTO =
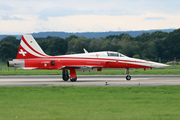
73,79
65,77
128,77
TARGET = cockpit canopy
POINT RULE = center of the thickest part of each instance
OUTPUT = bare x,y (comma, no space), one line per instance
115,54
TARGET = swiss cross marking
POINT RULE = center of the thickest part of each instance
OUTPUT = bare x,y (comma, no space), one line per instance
22,52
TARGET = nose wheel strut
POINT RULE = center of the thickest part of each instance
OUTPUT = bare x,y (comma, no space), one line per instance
128,77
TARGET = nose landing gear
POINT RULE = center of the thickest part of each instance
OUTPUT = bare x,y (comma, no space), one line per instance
128,77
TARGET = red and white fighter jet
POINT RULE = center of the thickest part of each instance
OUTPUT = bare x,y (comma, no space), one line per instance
31,56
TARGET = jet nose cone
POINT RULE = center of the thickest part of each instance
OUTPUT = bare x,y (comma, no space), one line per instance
158,65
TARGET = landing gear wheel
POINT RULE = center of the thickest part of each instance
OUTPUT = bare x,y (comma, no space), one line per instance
128,77
73,79
65,75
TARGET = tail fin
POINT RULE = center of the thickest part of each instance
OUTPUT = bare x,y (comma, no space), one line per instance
29,48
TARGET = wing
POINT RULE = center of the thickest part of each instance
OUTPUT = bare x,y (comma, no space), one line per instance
80,67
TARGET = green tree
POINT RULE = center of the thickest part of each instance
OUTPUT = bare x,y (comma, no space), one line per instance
77,45
94,45
53,45
71,37
10,39
127,45
8,51
171,45
57,46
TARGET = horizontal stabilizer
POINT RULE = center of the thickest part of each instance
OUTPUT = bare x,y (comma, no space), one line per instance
29,68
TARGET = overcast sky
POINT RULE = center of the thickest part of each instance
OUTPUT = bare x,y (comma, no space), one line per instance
28,16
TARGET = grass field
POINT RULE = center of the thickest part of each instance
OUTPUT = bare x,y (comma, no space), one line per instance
89,103
165,71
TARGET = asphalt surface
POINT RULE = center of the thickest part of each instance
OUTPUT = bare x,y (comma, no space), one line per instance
90,80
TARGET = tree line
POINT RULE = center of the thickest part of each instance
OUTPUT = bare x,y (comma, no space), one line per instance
154,46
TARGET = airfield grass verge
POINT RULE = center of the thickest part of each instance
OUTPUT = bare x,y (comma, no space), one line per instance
89,103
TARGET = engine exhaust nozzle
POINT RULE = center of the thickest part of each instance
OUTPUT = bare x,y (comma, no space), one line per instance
10,63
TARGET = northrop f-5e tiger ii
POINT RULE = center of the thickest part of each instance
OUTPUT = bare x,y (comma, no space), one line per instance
31,56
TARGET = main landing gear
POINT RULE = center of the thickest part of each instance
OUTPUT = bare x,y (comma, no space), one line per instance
65,75
73,79
128,77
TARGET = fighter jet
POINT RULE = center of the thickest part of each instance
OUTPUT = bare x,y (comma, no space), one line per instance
31,56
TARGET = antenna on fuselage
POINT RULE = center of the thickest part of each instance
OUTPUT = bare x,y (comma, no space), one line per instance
85,51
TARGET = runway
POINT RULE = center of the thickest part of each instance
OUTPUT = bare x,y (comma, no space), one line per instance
90,80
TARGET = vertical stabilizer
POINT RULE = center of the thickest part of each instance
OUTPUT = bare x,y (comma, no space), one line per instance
29,48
